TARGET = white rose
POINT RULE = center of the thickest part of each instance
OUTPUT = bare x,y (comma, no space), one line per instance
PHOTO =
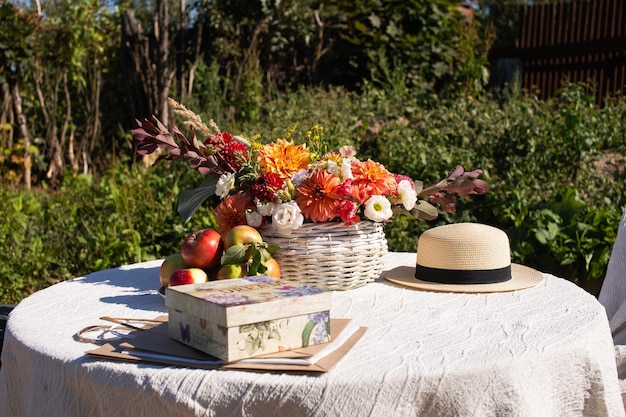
225,183
378,208
286,218
407,194
253,218
265,208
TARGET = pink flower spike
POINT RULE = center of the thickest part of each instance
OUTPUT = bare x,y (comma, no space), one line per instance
345,189
347,212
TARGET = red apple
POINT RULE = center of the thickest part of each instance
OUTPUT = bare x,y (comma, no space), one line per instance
202,249
188,276
170,265
242,235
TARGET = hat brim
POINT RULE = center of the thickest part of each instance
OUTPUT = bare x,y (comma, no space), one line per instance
522,277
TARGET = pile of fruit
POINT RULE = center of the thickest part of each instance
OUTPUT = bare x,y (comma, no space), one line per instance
206,255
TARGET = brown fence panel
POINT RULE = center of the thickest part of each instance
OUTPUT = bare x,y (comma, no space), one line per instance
576,41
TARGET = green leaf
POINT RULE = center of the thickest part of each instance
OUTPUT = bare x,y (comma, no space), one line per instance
261,269
235,255
274,334
425,211
265,254
306,333
191,200
246,328
273,248
254,346
256,266
543,236
360,26
419,186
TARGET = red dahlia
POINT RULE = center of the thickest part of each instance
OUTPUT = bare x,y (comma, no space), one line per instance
233,153
266,186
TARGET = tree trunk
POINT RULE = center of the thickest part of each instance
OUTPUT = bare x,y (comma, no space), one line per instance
53,141
95,125
22,129
6,107
198,51
151,71
66,122
164,78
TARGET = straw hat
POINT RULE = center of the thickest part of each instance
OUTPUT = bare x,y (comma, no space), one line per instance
464,257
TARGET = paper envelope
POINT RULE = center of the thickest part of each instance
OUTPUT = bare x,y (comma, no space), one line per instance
154,345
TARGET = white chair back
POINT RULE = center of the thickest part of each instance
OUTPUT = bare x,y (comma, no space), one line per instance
613,292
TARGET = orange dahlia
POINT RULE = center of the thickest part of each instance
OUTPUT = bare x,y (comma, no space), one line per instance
371,178
231,211
317,196
284,158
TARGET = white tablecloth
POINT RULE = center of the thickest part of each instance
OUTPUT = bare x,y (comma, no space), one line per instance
544,351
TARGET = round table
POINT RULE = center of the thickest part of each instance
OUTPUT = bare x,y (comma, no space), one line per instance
543,351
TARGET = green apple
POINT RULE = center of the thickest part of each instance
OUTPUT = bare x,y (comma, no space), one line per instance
230,271
170,265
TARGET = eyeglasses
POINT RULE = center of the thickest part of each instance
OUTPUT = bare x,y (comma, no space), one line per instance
123,328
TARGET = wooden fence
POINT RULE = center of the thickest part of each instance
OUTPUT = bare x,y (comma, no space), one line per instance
576,41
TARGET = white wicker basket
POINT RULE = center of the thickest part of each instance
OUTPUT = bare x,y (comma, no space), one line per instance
331,255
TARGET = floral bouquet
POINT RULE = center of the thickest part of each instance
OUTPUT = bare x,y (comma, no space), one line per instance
284,184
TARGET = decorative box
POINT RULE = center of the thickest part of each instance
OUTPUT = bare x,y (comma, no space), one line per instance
239,318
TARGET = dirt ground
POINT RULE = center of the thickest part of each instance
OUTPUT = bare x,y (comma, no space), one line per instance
611,165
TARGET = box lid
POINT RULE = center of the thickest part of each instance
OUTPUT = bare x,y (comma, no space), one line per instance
234,302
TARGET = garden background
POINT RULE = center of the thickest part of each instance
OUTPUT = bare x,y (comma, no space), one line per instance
408,83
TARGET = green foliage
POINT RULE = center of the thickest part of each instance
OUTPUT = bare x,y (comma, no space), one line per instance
408,91
83,84
421,36
471,72
17,33
554,167
128,215
543,161
567,236
12,157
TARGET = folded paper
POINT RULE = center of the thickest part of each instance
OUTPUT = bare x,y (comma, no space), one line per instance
153,345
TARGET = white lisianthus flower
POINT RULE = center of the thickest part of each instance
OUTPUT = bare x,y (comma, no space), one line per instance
378,208
265,208
299,177
407,194
225,183
332,167
286,218
346,169
253,218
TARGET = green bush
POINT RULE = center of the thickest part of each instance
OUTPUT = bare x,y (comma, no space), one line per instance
542,160
128,215
555,168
